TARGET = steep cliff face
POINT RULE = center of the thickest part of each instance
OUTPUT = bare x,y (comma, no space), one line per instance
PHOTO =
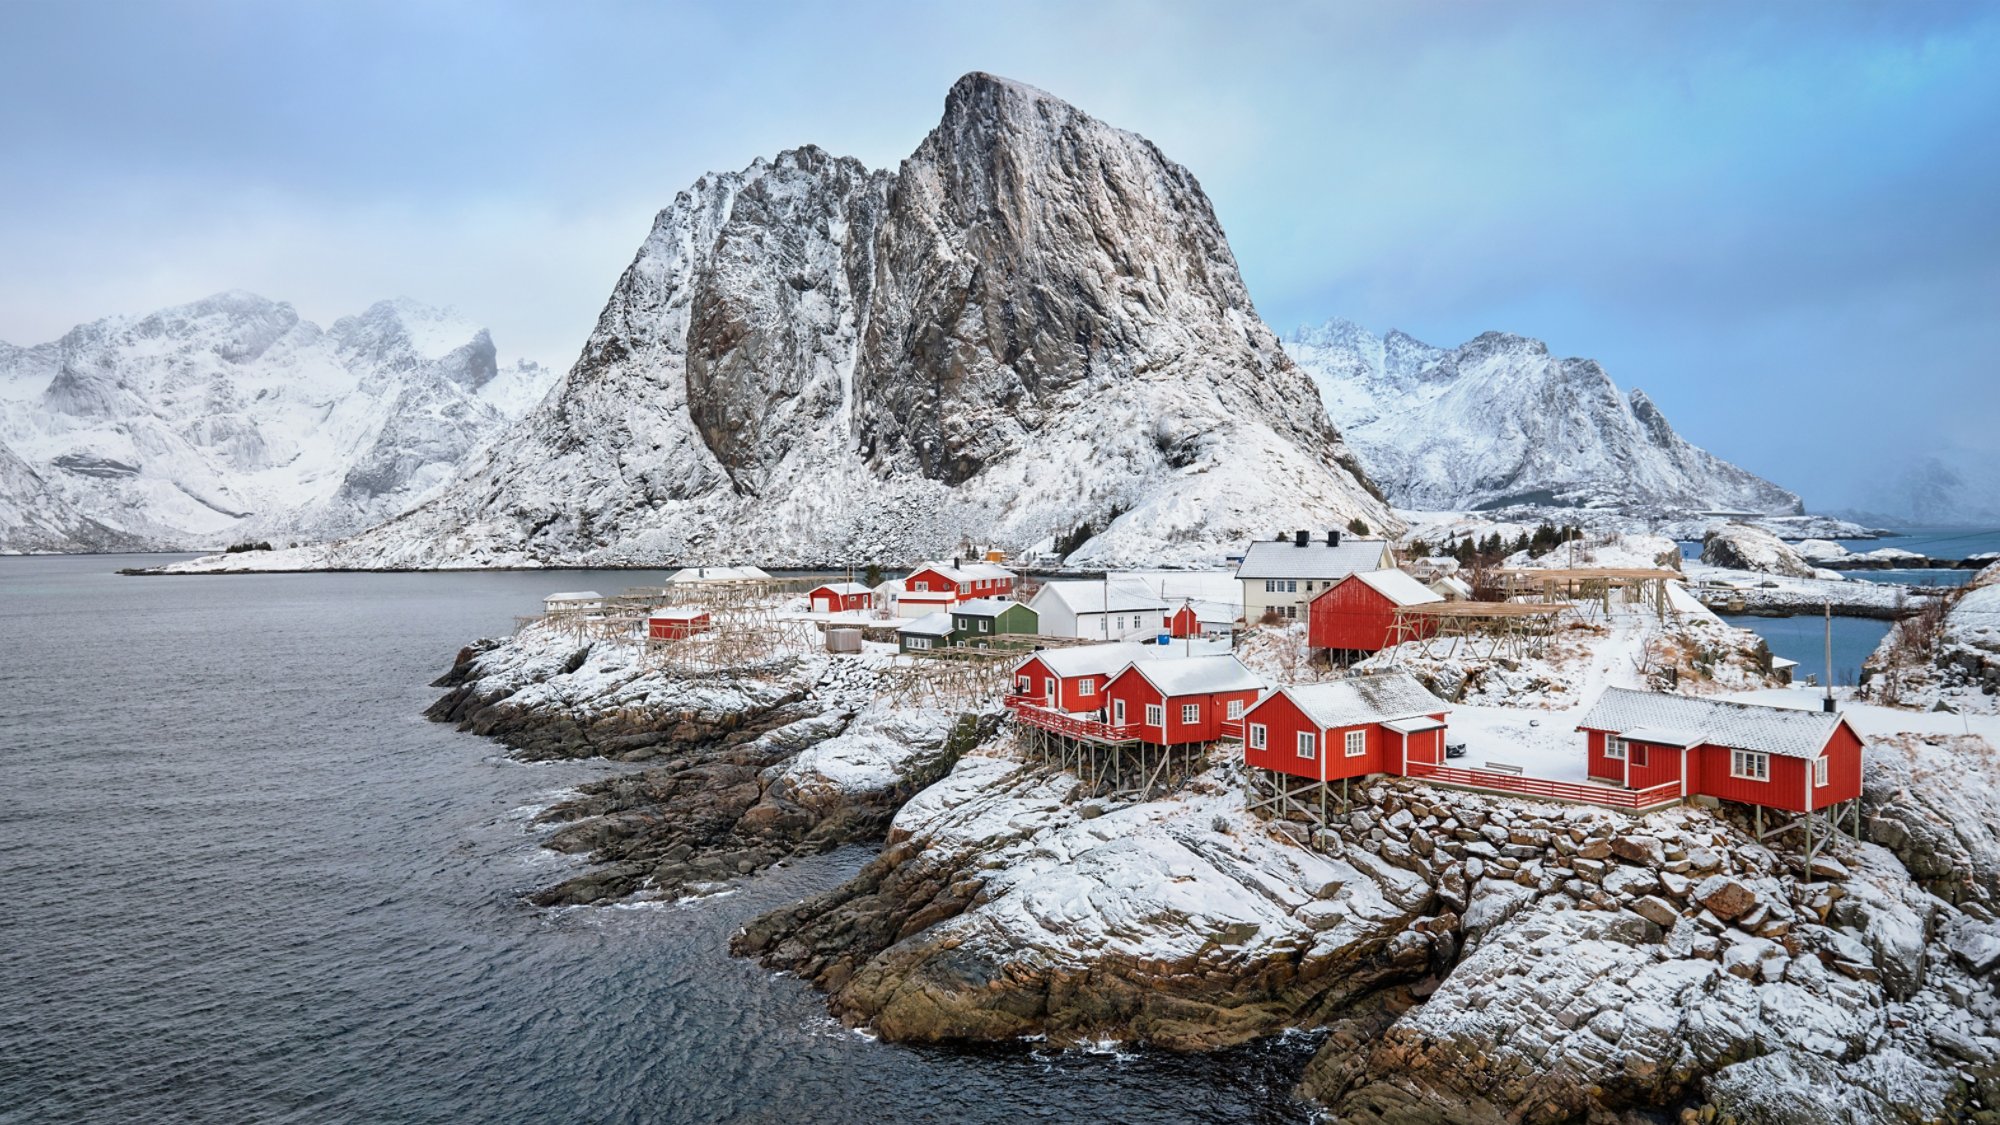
1033,325
233,417
1498,421
34,517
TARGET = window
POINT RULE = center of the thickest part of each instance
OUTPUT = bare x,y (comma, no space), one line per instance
1190,712
1308,744
1614,749
1821,775
1024,684
1357,743
965,587
985,626
1270,585
920,642
1292,612
920,586
1749,765
1638,755
1256,736
1156,714
1291,585
1086,686
1235,710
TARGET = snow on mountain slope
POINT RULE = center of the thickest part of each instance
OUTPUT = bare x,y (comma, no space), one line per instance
1034,325
233,418
1498,421
35,518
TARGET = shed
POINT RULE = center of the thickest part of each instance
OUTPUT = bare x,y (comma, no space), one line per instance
1358,612
931,631
977,622
674,623
840,597
573,601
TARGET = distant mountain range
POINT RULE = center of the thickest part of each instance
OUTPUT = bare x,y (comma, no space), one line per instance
232,418
1498,421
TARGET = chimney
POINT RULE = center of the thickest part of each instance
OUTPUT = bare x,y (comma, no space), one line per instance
957,562
1302,538
1281,537
1333,538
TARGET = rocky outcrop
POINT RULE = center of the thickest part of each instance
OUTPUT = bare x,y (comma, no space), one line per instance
1930,799
36,518
1739,546
790,758
1499,421
1033,325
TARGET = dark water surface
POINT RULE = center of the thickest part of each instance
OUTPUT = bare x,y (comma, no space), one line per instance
245,881
1803,639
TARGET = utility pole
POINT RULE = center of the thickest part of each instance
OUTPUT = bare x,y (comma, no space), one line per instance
1827,706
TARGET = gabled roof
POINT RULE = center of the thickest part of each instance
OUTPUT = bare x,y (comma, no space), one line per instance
717,574
1363,699
843,588
676,613
1101,597
1198,675
967,572
1398,587
575,596
1092,660
1785,731
930,624
986,607
1268,559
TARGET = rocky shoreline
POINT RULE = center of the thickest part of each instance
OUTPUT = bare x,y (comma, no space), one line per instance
1466,958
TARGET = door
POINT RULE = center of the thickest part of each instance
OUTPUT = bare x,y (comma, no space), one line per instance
1118,712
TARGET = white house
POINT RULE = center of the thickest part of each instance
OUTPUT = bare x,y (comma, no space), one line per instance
717,574
1282,575
1111,610
573,601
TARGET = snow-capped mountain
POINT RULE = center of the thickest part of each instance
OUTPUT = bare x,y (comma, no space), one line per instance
1499,421
1033,325
232,418
34,517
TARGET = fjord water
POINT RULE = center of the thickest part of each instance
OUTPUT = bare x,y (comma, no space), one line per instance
246,881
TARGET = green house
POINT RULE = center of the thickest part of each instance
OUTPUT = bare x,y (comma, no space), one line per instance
923,634
976,623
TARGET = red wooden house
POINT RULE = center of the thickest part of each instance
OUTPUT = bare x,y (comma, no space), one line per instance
1358,613
1346,728
1177,702
1182,623
935,586
1775,757
676,623
840,597
1074,679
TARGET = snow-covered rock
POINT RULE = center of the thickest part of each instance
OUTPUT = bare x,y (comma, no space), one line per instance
37,518
1033,327
1499,420
1738,546
233,418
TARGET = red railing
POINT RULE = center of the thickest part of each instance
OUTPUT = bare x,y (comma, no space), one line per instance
1610,796
1029,710
1231,728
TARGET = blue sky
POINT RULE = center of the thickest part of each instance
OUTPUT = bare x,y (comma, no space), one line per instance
1780,220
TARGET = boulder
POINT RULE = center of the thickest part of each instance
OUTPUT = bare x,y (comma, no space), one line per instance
1644,850
1725,897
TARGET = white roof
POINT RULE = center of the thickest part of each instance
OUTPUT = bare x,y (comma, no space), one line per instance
932,624
1453,583
1197,675
1398,587
967,572
986,607
1092,660
1785,731
716,574
576,596
1412,726
1364,699
1267,559
677,613
1661,736
843,588
1101,597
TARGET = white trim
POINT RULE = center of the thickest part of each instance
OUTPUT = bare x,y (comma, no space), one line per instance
1190,713
1257,736
1822,772
1355,743
1308,745
1156,715
1755,762
1118,712
1234,709
1614,748
1086,686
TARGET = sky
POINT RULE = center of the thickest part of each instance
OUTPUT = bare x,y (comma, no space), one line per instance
1780,220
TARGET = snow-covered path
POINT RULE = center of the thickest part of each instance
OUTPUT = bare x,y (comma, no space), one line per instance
1546,743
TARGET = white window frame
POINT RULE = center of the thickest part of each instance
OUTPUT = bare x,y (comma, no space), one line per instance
1024,684
920,642
1291,585
1190,712
1270,585
1355,743
1308,745
1049,686
1614,748
1749,765
1118,712
1822,773
1156,714
1234,709
1086,686
1257,736
985,625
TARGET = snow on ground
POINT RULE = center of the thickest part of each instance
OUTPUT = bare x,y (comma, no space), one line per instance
1873,720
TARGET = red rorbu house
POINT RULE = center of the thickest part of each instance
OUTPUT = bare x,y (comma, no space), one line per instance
1358,613
1073,679
934,586
1347,728
840,597
1179,702
1797,761
676,623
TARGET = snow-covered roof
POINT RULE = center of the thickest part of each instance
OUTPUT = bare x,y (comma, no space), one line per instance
1101,597
985,607
1364,699
968,572
930,624
677,613
844,588
1092,660
1268,559
1451,585
1661,736
717,574
1197,675
1786,731
575,596
1398,587
1412,726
